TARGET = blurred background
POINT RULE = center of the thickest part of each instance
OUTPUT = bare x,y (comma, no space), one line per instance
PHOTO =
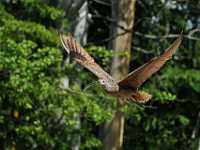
47,101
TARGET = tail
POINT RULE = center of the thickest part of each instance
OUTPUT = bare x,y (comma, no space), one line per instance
141,97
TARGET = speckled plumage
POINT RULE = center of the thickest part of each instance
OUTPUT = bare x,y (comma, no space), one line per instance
127,88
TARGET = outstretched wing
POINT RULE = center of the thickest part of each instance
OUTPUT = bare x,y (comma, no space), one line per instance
82,57
141,74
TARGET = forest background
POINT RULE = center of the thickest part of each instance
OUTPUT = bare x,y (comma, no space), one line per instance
47,100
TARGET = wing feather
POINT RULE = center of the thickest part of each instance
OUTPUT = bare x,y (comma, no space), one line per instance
141,74
82,57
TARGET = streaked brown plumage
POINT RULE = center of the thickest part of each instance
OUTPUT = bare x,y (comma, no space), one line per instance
128,87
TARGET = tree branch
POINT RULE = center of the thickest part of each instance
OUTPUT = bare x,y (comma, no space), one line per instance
188,36
143,50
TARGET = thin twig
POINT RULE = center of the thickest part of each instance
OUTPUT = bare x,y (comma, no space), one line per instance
143,50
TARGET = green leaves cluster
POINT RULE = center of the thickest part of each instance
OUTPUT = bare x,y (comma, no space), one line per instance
36,111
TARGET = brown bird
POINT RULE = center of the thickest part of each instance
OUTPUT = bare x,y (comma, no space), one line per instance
128,87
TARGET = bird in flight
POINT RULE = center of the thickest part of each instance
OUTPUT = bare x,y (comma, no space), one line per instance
127,88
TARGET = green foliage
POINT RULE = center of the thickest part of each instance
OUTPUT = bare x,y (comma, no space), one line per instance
91,143
184,120
101,54
36,111
37,10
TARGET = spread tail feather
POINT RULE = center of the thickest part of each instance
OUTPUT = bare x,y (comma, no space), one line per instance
141,97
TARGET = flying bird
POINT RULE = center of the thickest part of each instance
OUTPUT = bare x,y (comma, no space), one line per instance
126,88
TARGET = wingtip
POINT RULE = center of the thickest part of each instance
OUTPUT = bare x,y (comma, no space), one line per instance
173,47
179,39
60,33
62,39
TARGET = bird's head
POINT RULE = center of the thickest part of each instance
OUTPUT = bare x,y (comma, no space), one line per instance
109,84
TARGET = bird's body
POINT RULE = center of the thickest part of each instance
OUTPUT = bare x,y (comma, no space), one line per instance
127,88
131,94
122,93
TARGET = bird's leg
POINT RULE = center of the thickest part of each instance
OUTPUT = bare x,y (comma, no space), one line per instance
131,99
127,101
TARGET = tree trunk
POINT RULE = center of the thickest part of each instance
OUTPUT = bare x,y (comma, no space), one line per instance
123,12
79,30
77,12
80,33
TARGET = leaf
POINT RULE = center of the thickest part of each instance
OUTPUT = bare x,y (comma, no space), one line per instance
184,120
